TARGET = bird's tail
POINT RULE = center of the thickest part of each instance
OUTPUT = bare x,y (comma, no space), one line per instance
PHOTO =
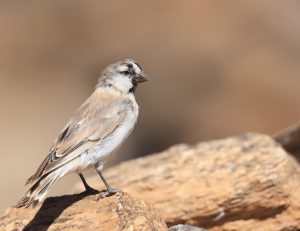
39,190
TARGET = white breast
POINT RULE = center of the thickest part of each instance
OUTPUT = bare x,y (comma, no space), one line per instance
110,143
106,146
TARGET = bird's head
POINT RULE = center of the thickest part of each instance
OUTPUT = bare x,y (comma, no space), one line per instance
124,76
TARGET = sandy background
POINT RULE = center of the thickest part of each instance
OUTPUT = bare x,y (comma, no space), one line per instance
218,68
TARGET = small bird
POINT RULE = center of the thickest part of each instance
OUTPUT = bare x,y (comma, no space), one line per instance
96,129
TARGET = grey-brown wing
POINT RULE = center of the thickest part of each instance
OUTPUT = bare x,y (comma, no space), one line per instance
97,118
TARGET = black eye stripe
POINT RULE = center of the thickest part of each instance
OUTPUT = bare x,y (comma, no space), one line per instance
131,68
125,72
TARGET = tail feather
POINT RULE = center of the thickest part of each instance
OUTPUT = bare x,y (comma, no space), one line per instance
38,191
30,180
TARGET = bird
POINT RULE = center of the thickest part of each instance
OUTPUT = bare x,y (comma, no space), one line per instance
96,129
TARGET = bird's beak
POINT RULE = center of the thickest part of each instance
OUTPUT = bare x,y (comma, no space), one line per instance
142,78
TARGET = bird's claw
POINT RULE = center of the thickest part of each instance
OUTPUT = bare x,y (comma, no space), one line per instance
109,192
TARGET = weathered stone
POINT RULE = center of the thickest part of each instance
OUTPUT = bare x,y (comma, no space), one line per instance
185,228
84,212
239,183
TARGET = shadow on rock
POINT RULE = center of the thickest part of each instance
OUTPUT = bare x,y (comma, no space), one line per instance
51,210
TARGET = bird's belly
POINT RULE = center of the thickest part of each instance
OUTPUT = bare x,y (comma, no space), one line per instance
106,146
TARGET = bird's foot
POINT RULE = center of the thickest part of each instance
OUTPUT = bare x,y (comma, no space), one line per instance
109,192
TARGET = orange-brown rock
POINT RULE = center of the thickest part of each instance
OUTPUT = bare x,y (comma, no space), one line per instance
83,212
239,183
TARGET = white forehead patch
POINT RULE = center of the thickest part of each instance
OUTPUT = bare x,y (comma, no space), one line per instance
136,68
129,64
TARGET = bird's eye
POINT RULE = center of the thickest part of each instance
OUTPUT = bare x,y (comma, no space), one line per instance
125,72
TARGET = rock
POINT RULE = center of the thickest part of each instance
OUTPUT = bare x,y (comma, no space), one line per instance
239,183
185,228
84,212
289,138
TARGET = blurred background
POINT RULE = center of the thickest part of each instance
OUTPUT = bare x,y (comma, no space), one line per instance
218,68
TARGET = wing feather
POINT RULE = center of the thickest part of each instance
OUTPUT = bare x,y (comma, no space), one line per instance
96,119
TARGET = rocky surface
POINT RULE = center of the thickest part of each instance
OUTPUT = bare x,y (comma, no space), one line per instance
181,227
289,138
84,212
239,183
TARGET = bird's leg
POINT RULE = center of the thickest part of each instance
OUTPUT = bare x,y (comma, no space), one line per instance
109,191
88,189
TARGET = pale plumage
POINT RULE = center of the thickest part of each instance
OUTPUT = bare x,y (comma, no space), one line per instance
96,129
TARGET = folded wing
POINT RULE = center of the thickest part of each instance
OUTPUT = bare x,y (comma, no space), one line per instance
96,119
